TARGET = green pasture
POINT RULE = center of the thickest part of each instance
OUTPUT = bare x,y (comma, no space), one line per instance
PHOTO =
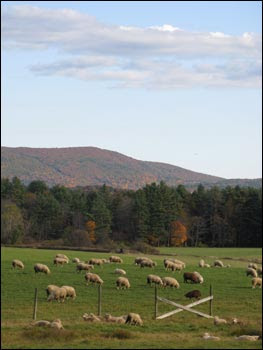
233,297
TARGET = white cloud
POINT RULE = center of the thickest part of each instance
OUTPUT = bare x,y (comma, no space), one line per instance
162,56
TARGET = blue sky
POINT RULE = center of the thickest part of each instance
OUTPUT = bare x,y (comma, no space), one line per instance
174,82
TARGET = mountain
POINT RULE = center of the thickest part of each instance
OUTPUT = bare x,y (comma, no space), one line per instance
91,166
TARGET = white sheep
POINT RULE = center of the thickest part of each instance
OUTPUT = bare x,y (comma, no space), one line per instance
76,260
93,278
207,265
218,263
41,268
84,267
115,259
251,272
71,293
259,270
256,281
200,278
178,262
115,319
60,261
91,317
201,263
62,256
58,294
134,319
253,265
170,282
207,336
56,324
138,260
17,263
120,272
123,282
94,261
248,337
170,265
147,263
41,323
105,261
154,279
218,321
51,288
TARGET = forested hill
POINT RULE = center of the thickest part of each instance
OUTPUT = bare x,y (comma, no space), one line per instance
84,166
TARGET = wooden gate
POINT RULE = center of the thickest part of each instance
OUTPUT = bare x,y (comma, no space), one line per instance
183,307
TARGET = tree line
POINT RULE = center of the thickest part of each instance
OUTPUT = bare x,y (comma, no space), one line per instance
156,214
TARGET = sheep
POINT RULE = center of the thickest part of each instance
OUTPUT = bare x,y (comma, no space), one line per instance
170,282
194,294
41,323
91,318
236,321
253,265
115,319
60,261
256,281
251,272
138,260
62,256
105,261
218,263
134,319
115,259
248,337
154,279
147,263
94,261
93,278
201,278
207,265
41,268
259,271
71,293
190,276
218,321
50,288
122,282
82,266
56,324
201,263
207,336
120,272
58,294
170,265
178,262
17,263
75,260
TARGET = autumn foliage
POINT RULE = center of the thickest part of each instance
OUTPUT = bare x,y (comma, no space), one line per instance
90,228
178,233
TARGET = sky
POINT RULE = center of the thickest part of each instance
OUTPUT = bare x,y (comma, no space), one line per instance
177,82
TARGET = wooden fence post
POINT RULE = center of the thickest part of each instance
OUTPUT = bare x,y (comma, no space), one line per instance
211,293
155,302
35,306
99,300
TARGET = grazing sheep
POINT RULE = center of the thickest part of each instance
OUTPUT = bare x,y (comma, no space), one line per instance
256,281
218,263
62,256
134,319
41,323
170,265
123,282
147,263
207,336
115,319
105,261
71,293
94,261
190,276
84,267
248,337
138,260
93,278
170,282
201,278
115,259
17,263
60,261
251,272
41,268
51,288
75,260
178,262
58,294
193,294
154,279
91,318
120,272
201,263
56,324
218,321
253,265
259,271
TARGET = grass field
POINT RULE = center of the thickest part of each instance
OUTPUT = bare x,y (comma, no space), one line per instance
233,297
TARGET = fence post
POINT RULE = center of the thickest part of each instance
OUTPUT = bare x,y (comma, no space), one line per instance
35,306
155,302
99,300
211,293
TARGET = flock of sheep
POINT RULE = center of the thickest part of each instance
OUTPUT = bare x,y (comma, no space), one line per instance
60,294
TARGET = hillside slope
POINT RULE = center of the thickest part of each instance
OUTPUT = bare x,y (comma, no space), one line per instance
82,166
